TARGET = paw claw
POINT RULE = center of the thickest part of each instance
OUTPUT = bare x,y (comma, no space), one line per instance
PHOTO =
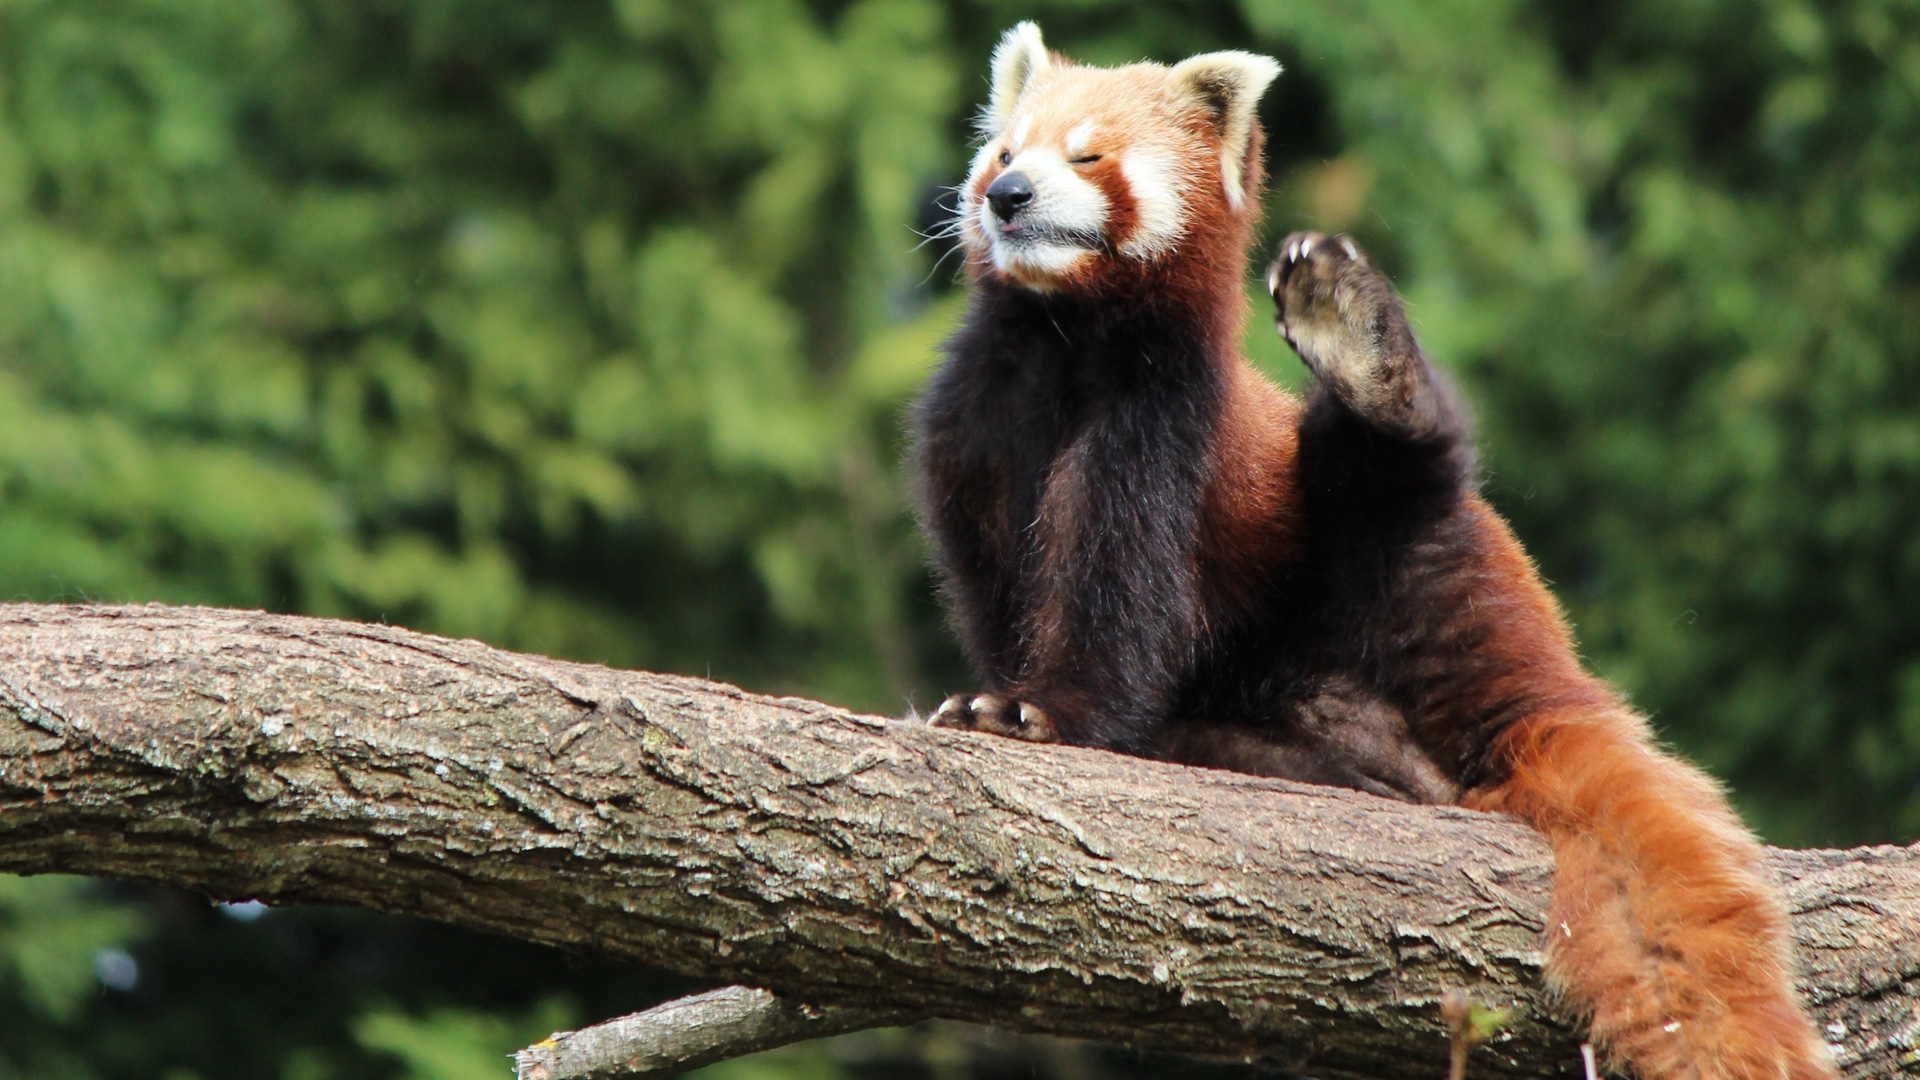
1322,287
953,712
1035,724
996,715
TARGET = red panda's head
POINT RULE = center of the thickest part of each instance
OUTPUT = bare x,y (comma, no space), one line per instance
1091,177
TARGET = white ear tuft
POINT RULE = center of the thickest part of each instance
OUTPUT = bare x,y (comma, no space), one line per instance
1019,58
1228,85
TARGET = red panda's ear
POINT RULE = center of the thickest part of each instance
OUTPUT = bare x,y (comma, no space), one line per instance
1019,58
1228,85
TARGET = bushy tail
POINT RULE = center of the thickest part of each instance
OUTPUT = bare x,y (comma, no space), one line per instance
1663,931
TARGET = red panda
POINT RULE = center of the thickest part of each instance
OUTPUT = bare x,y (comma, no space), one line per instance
1147,547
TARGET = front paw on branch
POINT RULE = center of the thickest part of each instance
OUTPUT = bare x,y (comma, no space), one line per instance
996,714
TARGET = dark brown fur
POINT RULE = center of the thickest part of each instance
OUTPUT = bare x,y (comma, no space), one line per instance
1149,548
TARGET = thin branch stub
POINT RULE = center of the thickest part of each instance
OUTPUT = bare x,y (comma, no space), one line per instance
689,1032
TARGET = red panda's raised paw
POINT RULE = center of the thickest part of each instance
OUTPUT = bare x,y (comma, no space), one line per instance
997,715
1343,318
1325,298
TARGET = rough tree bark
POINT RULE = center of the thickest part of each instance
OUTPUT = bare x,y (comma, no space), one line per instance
836,859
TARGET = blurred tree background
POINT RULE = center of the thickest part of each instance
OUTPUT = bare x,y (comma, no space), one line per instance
586,328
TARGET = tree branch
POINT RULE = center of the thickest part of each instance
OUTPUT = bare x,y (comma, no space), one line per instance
838,860
689,1032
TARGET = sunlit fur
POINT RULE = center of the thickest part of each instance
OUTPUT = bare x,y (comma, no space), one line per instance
1128,165
1148,547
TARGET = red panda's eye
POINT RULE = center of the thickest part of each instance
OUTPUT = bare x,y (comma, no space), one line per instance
1088,160
1006,157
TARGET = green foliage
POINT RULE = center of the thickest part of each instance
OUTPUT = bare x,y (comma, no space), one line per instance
526,326
457,1044
1672,252
807,1061
51,931
587,329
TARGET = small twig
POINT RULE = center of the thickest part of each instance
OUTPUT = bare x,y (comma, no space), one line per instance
1468,1025
689,1032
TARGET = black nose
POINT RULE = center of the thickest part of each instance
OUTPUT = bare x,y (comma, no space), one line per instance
1008,194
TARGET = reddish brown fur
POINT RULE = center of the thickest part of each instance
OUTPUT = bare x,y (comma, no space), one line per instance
1253,520
1660,915
1517,626
1123,214
1337,604
1213,252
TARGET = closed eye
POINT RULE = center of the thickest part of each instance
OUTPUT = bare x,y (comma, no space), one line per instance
1088,160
